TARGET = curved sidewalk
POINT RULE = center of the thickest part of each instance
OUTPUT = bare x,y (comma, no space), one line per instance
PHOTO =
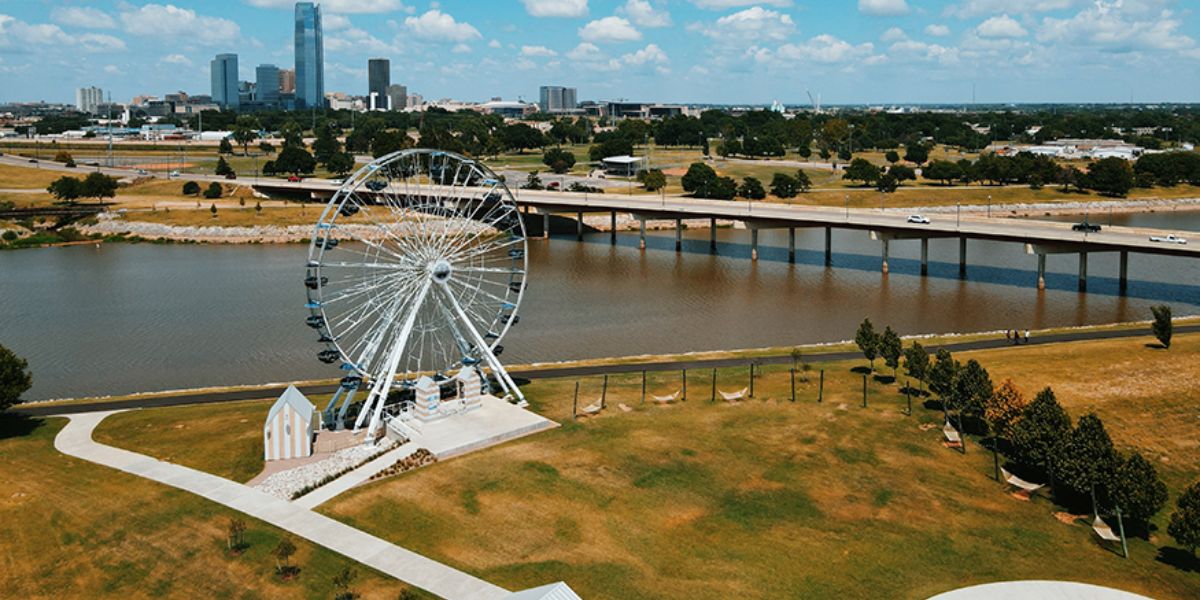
1038,590
76,440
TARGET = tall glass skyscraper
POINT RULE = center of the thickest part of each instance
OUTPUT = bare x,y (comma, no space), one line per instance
310,56
379,77
267,79
224,72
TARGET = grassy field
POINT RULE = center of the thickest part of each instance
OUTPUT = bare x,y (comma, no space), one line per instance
73,529
26,178
762,499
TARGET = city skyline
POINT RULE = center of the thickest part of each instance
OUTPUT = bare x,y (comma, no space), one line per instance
703,51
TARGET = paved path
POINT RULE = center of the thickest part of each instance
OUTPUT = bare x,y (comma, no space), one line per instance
1039,590
76,440
208,397
359,475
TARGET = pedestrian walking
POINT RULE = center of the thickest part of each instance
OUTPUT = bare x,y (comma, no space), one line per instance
1008,335
1026,336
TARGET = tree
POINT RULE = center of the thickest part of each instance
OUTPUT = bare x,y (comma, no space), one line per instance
223,167
1086,457
295,160
326,144
191,188
533,182
891,349
861,169
916,362
283,552
236,539
66,189
257,208
15,378
652,179
1162,324
341,163
751,189
867,341
387,142
342,582
1042,429
1110,176
212,192
98,186
613,145
972,388
902,173
268,168
224,147
520,137
266,147
892,156
65,158
722,188
803,181
245,131
1003,410
887,183
1136,489
1184,526
916,153
784,185
292,134
698,176
213,209
943,170
941,375
560,161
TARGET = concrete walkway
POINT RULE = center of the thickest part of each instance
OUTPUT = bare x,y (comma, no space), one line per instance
76,440
1038,590
358,476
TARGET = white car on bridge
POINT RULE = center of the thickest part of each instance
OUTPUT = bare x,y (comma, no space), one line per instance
919,219
1168,239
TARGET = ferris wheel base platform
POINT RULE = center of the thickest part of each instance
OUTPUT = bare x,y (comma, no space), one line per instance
493,422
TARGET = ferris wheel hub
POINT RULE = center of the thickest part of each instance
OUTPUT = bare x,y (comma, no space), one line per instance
440,270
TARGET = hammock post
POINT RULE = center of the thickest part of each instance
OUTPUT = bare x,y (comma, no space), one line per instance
683,377
713,397
996,456
1121,527
643,386
864,391
575,402
908,397
604,391
751,379
821,388
793,372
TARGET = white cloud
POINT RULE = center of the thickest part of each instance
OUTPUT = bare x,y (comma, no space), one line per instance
937,30
177,59
644,14
89,18
334,22
1116,25
556,8
113,70
99,42
909,50
883,8
14,32
610,29
438,26
753,24
494,44
826,49
340,6
355,40
524,64
585,52
894,34
171,22
977,8
1002,26
461,49
724,4
650,54
537,51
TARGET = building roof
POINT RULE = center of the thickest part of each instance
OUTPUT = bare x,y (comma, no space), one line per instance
292,396
623,160
553,591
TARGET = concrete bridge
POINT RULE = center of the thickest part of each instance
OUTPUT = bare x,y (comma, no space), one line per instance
1041,238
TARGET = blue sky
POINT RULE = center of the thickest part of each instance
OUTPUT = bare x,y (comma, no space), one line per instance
719,51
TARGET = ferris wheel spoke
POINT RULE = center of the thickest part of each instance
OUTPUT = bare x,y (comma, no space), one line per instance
484,249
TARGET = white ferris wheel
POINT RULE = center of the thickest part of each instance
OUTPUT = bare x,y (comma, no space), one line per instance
416,268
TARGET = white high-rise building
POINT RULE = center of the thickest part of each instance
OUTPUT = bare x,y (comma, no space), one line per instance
88,99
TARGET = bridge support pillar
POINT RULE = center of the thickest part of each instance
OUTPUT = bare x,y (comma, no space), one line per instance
753,243
924,256
612,228
962,258
791,244
712,235
1041,271
642,233
885,256
579,227
1083,271
546,225
1124,277
828,246
678,235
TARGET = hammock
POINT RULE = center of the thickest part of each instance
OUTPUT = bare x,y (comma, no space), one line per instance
593,408
951,434
1104,531
667,399
1025,486
735,396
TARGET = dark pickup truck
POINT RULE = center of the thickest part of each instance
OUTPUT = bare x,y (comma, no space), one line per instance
1085,227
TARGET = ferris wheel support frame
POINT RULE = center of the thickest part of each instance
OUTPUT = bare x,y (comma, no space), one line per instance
502,375
379,392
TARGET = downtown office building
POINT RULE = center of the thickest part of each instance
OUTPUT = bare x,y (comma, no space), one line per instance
310,56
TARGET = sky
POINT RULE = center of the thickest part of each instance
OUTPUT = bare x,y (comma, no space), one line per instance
699,51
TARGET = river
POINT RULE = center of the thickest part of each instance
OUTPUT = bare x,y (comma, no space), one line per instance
125,318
